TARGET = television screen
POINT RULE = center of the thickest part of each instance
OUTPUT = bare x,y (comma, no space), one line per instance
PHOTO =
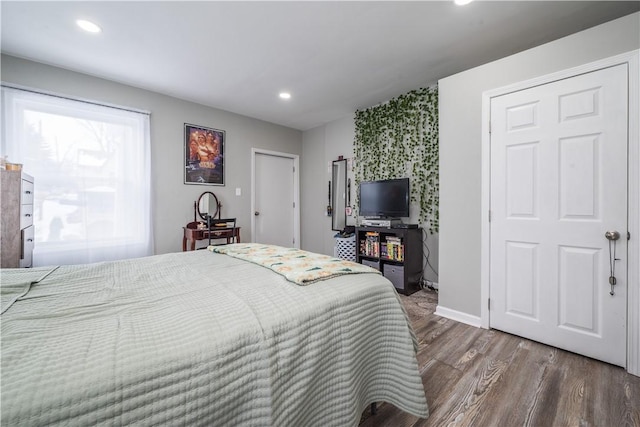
388,198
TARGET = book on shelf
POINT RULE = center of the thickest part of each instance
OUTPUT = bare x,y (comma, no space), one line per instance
370,246
394,248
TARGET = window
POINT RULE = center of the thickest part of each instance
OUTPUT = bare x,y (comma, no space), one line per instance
92,176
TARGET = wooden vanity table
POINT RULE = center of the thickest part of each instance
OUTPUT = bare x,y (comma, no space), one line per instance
207,207
192,233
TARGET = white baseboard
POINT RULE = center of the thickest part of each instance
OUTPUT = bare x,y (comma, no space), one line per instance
458,316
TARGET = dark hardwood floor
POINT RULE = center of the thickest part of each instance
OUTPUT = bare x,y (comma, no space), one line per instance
479,377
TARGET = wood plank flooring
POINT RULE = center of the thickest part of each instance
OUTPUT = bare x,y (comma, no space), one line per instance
479,377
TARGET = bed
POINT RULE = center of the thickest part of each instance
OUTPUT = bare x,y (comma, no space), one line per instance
201,338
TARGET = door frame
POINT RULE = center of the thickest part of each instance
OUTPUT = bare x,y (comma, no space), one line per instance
296,190
631,59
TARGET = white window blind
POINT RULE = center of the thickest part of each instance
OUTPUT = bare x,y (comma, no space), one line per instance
92,176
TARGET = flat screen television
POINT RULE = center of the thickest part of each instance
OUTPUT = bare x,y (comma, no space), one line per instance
385,199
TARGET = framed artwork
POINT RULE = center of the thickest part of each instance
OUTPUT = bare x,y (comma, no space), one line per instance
203,155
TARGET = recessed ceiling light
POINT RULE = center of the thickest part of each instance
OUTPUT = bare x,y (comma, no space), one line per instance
88,26
285,95
462,2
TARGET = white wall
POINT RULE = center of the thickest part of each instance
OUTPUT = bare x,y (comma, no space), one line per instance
313,197
172,204
460,98
320,146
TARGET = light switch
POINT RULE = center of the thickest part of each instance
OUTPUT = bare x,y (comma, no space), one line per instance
238,191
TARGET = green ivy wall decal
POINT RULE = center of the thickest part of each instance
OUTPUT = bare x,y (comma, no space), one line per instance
398,139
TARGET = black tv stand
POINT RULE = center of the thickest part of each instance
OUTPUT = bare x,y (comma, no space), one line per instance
396,252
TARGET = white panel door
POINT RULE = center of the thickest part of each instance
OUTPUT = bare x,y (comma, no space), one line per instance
558,183
274,200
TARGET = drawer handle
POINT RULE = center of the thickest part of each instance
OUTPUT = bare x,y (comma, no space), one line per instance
29,240
27,215
27,192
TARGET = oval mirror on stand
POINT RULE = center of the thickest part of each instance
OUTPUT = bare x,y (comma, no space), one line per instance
208,205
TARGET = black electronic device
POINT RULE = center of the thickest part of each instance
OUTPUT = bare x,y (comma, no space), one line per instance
385,198
403,225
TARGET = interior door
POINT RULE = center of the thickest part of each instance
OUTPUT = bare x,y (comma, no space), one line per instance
274,200
558,183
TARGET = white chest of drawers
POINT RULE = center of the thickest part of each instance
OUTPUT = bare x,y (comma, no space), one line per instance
17,232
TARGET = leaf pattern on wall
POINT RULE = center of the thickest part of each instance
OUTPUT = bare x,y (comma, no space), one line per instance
400,139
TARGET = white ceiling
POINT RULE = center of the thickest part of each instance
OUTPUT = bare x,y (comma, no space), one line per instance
334,57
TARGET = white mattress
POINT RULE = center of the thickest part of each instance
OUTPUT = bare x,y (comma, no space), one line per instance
198,338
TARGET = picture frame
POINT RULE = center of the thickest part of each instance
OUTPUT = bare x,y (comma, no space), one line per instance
204,150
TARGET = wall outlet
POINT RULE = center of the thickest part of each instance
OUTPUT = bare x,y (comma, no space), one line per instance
238,191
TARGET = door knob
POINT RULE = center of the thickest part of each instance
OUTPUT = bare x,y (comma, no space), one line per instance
612,235
256,213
